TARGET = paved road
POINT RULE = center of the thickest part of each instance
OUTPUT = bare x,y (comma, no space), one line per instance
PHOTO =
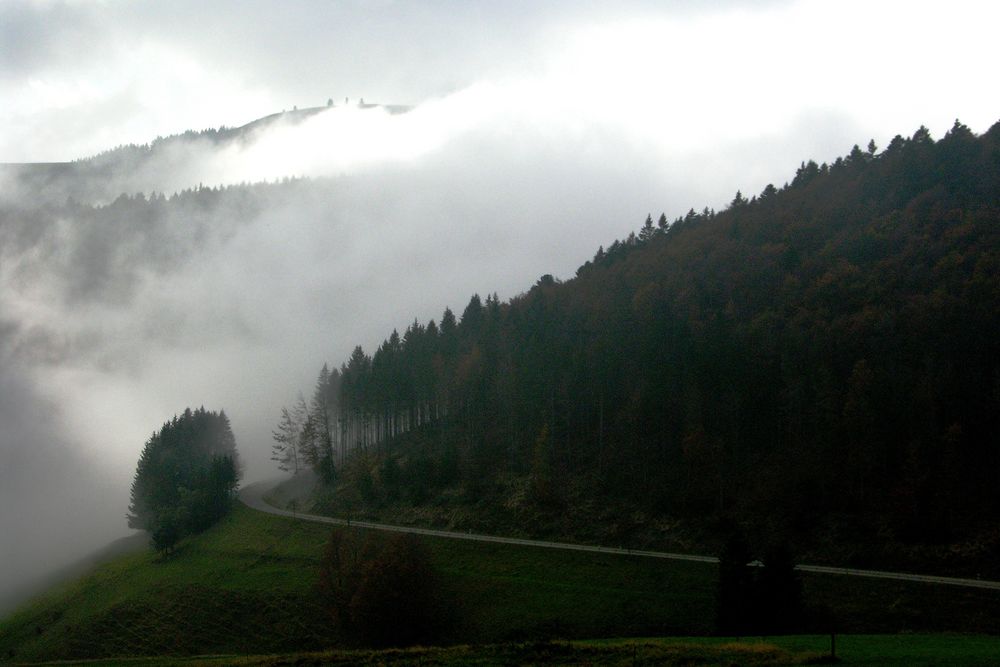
253,496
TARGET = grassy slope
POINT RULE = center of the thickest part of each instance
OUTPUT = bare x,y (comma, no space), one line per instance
31,589
247,587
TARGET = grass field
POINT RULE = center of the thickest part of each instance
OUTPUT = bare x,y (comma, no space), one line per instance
244,585
860,650
248,587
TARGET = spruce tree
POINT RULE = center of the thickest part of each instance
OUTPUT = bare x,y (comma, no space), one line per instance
185,478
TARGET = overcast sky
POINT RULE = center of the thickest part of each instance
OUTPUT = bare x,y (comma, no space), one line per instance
79,76
540,131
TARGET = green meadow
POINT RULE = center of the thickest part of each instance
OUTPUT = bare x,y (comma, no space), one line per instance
246,592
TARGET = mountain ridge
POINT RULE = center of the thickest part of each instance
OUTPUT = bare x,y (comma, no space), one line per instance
295,115
102,177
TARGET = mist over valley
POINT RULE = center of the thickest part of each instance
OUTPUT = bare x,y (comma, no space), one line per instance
196,217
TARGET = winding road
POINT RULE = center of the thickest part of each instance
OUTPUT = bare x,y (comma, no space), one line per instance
253,497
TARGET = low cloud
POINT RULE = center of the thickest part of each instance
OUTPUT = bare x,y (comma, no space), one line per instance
55,503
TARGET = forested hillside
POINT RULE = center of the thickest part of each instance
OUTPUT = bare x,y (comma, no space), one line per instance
828,348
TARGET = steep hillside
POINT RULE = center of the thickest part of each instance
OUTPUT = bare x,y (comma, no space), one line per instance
819,362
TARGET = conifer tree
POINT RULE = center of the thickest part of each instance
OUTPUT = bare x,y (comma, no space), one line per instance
648,231
186,477
285,450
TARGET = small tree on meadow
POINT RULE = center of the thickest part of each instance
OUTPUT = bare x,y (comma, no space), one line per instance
395,603
381,592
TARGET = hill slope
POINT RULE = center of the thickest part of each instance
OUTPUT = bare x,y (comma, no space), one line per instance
819,362
32,588
132,168
248,586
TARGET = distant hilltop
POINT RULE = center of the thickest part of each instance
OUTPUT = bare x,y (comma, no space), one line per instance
220,135
361,104
297,114
104,176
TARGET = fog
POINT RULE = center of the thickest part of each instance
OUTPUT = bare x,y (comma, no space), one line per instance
528,146
116,324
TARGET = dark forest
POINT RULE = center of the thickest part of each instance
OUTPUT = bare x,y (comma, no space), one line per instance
822,356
